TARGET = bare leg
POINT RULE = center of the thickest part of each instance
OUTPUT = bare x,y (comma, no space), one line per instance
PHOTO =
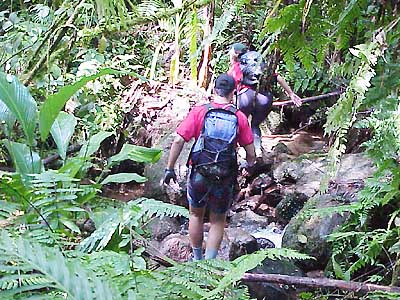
215,234
196,221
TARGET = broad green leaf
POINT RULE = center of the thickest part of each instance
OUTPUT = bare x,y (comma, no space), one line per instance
337,268
7,117
72,166
25,160
54,103
20,102
62,131
93,144
124,177
70,225
136,153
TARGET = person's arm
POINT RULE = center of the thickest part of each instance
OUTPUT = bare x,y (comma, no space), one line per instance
176,149
296,99
250,154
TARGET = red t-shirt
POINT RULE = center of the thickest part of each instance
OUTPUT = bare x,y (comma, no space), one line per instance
236,73
192,125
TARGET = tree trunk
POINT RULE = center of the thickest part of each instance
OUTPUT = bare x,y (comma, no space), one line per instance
204,73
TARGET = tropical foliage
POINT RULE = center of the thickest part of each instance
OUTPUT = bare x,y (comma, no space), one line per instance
65,66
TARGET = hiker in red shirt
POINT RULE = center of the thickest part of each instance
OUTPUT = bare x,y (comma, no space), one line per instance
215,192
235,52
246,68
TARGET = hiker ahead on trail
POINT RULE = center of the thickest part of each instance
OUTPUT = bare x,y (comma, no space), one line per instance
217,128
247,68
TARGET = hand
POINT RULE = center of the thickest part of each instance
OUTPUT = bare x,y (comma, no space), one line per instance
248,170
296,99
168,175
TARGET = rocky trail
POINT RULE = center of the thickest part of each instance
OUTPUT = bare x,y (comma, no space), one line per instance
272,208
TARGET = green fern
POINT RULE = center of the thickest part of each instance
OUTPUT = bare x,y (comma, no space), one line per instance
343,114
250,261
51,272
155,208
131,215
379,295
59,198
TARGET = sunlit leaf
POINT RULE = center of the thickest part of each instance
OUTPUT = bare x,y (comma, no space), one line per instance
7,117
124,177
136,153
93,144
20,102
62,131
54,103
25,160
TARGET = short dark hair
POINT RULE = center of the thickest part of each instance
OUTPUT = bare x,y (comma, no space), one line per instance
224,85
222,92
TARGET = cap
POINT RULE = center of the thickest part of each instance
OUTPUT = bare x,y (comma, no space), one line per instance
225,82
239,48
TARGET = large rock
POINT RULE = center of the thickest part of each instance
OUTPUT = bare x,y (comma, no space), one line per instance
236,242
248,220
307,232
176,247
160,228
174,193
289,206
163,134
264,290
307,171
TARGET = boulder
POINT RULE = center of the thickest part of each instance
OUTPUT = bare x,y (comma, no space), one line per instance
307,171
248,221
176,247
260,184
264,290
307,232
160,228
174,193
289,206
264,243
236,242
163,135
274,123
267,211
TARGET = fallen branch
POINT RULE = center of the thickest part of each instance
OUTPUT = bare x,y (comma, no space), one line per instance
308,99
316,283
72,149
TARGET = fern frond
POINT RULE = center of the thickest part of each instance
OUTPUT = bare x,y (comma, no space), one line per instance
56,273
130,215
248,262
102,235
156,208
342,115
379,295
149,8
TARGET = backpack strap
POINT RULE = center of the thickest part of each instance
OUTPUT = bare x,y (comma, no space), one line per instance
229,106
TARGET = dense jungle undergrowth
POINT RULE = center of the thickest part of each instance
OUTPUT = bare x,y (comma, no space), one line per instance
68,121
